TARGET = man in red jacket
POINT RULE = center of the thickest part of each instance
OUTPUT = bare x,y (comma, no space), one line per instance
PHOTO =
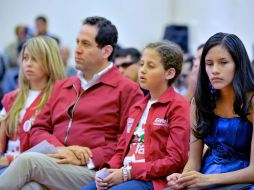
83,117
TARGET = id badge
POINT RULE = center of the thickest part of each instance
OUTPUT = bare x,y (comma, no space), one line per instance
27,125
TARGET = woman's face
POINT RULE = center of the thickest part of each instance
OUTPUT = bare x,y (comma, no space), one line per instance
32,69
220,67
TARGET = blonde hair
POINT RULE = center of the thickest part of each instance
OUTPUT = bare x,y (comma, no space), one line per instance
46,52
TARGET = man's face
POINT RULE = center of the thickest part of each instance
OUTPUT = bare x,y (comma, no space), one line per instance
88,56
21,34
123,59
126,66
196,62
130,70
41,27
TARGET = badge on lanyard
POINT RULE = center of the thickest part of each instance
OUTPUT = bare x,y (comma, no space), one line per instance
27,125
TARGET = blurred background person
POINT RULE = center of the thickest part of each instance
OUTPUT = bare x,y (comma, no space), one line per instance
41,24
127,62
11,52
65,54
192,78
181,83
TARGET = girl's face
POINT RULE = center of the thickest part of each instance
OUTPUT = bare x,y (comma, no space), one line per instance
32,68
151,74
220,67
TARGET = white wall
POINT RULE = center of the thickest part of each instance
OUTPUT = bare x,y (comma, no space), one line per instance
206,17
138,21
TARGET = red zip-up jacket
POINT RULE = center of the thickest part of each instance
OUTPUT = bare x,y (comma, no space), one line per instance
167,132
93,118
7,102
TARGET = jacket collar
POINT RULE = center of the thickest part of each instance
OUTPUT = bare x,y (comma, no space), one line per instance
167,96
109,78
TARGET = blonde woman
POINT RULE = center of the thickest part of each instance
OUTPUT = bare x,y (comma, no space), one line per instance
41,66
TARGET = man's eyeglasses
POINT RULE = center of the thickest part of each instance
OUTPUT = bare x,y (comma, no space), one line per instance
126,64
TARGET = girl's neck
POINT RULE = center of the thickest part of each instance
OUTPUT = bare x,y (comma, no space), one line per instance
227,95
225,104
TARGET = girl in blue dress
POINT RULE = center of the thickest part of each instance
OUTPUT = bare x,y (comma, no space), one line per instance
222,118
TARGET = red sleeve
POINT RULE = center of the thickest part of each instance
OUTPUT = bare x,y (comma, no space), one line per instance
129,97
42,128
177,147
7,103
117,160
8,100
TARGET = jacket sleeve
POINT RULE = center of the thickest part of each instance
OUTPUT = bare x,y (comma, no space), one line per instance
117,160
42,128
102,154
7,103
177,147
128,97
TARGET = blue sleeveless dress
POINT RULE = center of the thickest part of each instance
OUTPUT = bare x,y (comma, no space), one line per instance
229,146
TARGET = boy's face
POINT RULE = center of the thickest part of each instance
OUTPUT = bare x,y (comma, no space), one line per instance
152,75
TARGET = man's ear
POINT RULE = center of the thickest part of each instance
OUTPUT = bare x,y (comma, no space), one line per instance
107,51
170,73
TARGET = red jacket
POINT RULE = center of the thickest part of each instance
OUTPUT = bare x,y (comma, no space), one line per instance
90,118
167,132
7,102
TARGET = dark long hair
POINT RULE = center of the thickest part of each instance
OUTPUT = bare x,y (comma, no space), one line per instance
243,82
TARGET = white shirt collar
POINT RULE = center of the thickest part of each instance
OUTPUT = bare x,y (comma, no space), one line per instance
85,85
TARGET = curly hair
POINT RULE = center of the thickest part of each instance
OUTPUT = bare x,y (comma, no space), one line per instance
171,56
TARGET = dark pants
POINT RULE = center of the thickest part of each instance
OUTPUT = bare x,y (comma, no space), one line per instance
129,185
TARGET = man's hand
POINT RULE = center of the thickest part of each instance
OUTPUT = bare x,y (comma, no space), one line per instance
82,153
66,156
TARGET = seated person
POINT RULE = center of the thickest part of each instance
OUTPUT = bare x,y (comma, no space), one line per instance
222,114
155,141
41,66
83,117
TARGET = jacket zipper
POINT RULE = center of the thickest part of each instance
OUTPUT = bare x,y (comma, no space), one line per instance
71,116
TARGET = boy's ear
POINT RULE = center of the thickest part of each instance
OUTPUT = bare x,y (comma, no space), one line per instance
170,73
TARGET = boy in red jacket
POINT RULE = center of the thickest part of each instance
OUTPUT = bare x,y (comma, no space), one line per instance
156,138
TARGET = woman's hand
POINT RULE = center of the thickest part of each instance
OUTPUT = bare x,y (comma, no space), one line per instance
114,178
193,179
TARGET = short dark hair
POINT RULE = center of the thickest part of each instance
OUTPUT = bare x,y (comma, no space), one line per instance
171,56
42,18
243,82
132,52
107,32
